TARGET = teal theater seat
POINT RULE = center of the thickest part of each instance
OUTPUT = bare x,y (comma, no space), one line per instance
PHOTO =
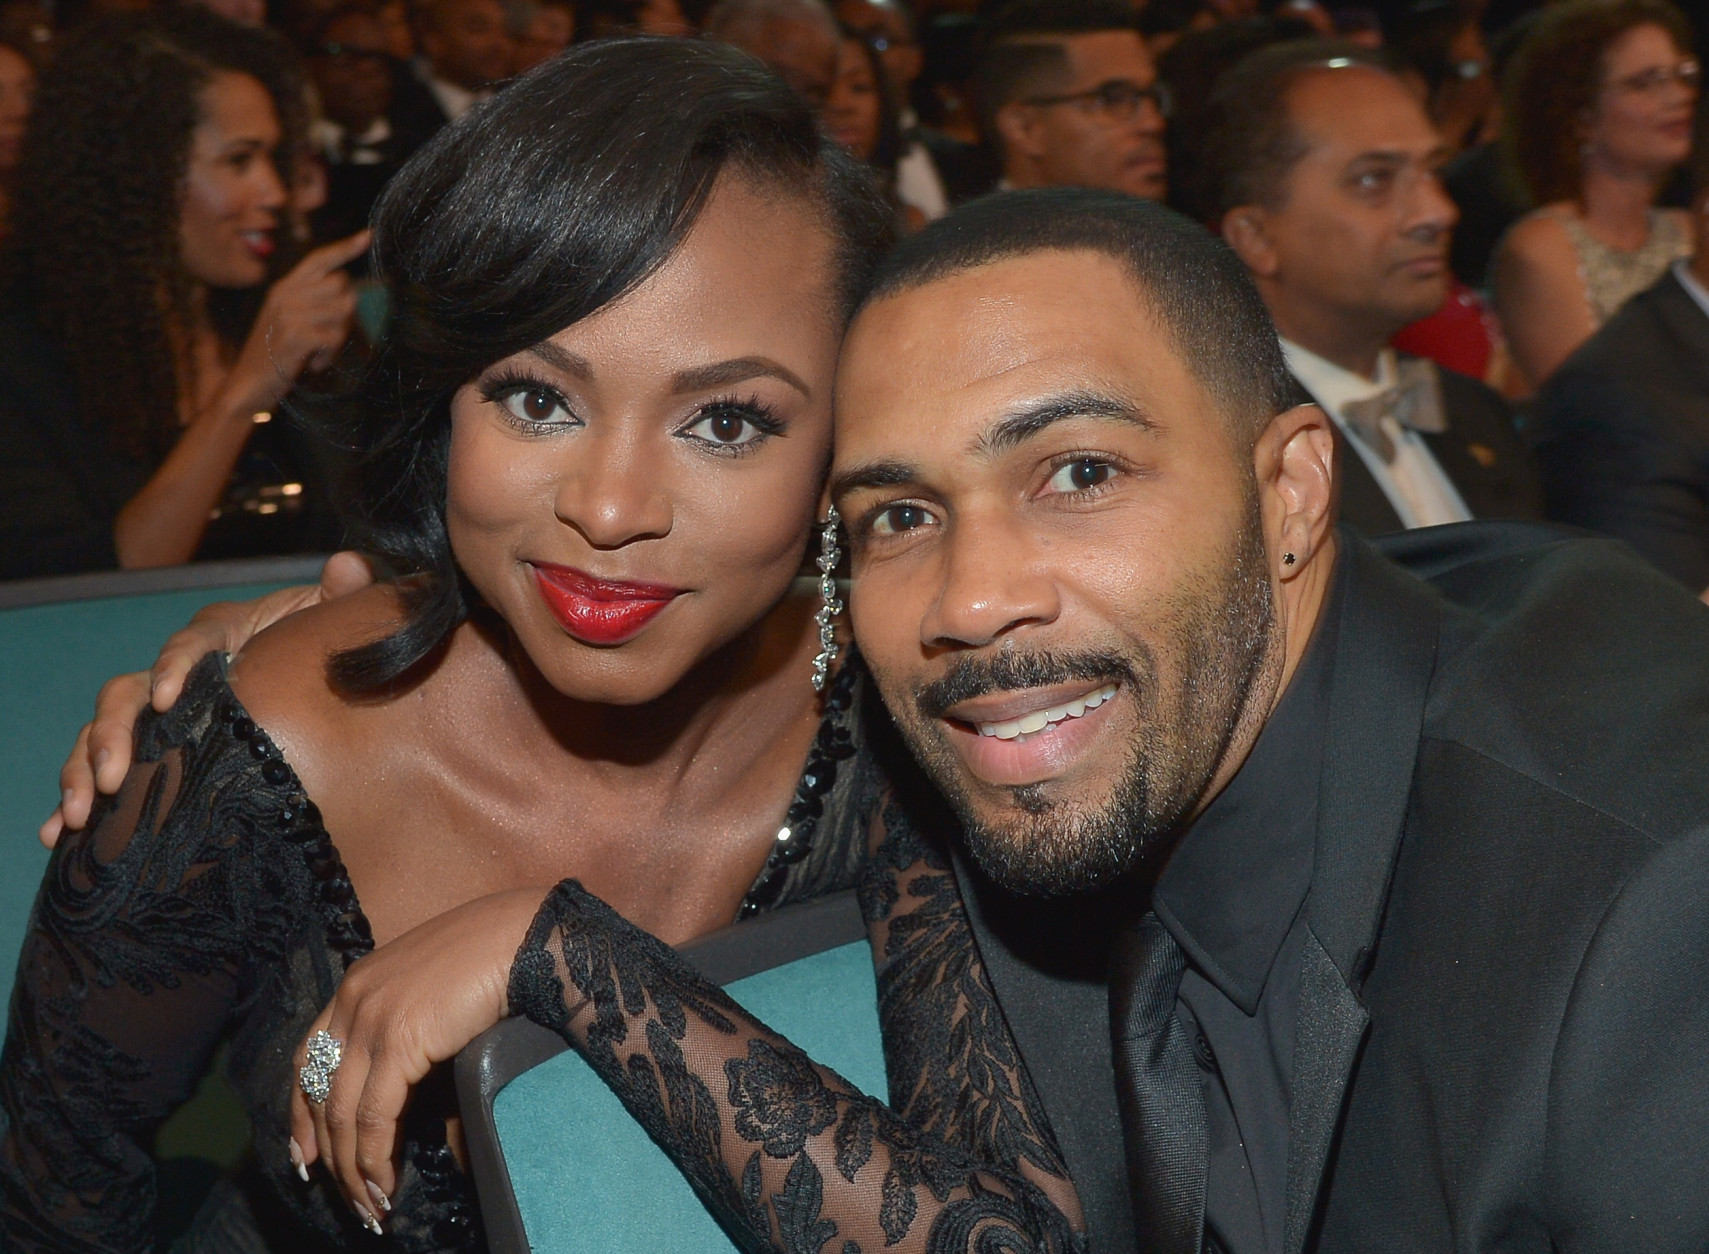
560,1166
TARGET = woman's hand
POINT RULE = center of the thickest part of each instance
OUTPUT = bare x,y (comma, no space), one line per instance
410,1004
302,324
102,755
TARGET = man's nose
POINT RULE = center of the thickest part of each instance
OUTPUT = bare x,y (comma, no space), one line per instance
1433,211
613,495
991,585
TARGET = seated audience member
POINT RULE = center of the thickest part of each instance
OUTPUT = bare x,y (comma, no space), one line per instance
1598,105
142,348
1069,97
798,39
1622,428
1378,881
943,94
17,89
352,72
465,53
539,32
1324,171
1440,47
861,116
933,171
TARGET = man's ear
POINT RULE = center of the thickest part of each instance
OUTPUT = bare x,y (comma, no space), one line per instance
1018,125
1246,229
1294,461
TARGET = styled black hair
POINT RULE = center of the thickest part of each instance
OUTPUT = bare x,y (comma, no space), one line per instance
1194,282
1251,142
540,207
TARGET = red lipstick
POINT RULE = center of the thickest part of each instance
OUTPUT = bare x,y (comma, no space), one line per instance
599,611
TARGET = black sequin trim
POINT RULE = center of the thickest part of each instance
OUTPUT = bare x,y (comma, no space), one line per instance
833,744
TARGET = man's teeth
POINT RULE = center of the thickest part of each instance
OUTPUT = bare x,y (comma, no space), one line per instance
1038,720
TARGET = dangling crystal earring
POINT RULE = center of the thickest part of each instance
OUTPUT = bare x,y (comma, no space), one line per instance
829,556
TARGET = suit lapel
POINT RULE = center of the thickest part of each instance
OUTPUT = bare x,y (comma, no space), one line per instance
1385,657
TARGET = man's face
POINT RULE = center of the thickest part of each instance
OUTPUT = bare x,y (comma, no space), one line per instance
352,72
802,52
1060,579
1362,231
1111,141
468,44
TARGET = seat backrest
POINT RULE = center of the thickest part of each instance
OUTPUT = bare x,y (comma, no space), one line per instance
560,1166
60,639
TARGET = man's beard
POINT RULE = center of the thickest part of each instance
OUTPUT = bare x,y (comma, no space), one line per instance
1224,640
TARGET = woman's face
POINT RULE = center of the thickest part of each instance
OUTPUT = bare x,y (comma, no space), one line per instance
853,111
1643,114
636,492
17,85
232,191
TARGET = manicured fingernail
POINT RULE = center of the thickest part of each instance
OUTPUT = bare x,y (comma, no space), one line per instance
380,1199
297,1161
368,1220
65,797
101,757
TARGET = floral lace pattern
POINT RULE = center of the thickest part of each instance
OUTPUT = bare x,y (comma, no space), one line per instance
786,1154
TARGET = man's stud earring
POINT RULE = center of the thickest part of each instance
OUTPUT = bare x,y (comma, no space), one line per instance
1287,559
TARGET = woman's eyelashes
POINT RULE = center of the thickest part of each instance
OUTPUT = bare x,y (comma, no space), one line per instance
528,403
732,427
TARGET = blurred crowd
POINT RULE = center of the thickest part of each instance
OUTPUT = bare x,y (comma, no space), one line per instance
1473,221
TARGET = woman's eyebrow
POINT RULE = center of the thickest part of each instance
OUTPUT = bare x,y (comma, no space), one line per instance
736,370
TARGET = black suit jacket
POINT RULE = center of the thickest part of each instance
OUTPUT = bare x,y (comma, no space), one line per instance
1480,452
1503,1035
1622,431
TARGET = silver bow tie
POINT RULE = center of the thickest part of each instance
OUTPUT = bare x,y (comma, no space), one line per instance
1414,401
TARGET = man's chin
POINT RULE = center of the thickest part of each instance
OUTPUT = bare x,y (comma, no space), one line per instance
1043,848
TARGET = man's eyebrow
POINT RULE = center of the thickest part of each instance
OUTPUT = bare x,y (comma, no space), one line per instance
880,474
1022,424
736,370
695,379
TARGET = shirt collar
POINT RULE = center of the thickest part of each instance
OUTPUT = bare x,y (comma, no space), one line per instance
1332,386
1234,885
1688,280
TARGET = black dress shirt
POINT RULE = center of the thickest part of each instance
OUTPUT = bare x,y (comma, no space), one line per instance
1232,894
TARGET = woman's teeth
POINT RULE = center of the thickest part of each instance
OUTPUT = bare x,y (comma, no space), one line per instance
1038,720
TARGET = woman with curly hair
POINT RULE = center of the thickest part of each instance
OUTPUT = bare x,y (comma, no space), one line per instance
1599,105
140,346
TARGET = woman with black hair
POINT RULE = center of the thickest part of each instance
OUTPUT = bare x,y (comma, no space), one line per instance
142,345
593,452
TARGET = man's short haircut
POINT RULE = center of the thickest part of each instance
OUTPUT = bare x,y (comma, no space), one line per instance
1251,142
1197,287
1021,53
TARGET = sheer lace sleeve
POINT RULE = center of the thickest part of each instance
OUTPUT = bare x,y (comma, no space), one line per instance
787,1154
130,971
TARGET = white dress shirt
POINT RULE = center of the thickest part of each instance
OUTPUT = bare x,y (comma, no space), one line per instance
1414,483
454,100
918,183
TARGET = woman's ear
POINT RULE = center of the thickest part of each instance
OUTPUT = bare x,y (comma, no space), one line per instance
1294,461
1017,123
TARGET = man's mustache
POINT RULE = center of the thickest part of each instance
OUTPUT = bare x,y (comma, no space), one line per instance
970,676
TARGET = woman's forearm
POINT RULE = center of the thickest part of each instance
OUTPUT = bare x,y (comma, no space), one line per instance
162,525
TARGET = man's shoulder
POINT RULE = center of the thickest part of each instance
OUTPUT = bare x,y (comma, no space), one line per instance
1571,662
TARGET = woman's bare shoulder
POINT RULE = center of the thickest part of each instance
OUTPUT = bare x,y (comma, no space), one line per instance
281,674
1540,237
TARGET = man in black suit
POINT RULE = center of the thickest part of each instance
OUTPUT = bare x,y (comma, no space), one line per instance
1622,428
1322,167
1398,858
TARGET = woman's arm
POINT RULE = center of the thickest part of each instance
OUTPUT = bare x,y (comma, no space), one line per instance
304,320
1540,297
127,979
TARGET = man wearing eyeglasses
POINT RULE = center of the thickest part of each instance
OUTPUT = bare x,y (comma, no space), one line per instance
1071,99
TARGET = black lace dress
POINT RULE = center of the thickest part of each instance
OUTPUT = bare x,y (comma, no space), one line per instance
206,904
787,1154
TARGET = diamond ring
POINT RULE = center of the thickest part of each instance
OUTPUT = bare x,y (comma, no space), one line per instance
316,1075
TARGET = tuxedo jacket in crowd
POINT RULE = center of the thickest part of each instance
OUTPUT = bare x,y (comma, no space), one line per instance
1503,1030
1480,452
1622,431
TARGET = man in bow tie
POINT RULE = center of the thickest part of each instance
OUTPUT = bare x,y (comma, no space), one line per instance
1323,168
